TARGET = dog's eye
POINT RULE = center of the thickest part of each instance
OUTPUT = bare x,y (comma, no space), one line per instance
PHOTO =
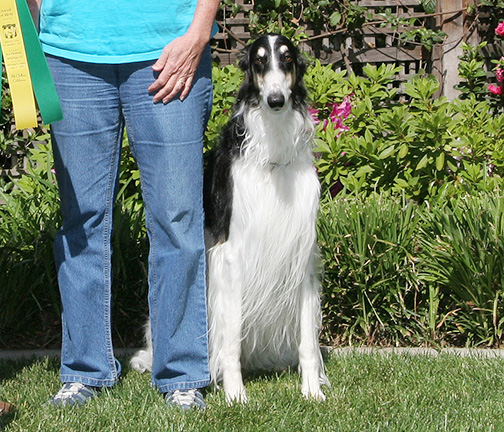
288,58
260,60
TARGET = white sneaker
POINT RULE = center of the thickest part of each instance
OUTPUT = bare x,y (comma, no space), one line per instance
73,394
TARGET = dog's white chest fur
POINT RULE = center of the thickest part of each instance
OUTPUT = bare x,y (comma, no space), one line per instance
273,222
273,228
271,242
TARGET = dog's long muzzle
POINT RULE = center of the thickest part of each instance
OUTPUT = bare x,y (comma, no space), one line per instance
276,90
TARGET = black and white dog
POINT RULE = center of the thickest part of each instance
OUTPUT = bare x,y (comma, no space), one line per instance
261,204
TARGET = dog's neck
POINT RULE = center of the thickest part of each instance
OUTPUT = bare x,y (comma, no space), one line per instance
276,139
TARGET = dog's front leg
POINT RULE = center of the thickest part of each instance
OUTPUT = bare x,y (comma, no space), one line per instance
231,351
225,308
310,359
142,360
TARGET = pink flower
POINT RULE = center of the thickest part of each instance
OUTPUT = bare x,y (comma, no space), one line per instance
314,114
499,74
338,124
326,122
500,29
496,90
341,111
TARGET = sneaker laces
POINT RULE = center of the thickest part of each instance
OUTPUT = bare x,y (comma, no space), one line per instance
69,390
73,393
186,398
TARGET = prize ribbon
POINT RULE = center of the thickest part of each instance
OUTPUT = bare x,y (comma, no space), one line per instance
28,75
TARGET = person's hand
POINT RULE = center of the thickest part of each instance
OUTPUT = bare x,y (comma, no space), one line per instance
176,67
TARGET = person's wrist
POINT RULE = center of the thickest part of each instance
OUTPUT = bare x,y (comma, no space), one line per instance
199,38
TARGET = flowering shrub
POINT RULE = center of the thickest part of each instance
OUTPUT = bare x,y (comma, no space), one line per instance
427,149
498,90
339,113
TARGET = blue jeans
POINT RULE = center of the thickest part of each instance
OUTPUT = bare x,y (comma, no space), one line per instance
98,100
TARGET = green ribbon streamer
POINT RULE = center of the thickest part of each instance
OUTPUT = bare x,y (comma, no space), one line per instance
43,85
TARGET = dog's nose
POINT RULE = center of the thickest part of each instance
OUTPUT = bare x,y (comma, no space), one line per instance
276,100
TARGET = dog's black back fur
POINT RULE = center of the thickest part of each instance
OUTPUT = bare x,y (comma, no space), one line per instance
218,182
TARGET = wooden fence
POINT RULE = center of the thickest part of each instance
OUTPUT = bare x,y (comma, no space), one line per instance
377,44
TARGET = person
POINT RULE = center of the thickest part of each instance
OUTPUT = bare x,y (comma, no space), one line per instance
145,66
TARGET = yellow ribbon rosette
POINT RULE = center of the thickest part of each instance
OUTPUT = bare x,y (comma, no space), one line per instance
28,75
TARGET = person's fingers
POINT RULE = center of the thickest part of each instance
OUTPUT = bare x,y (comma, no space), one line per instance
187,88
173,87
175,69
164,71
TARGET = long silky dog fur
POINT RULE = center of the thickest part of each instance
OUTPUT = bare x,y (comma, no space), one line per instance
261,204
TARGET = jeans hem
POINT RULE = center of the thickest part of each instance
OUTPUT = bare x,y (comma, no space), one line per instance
92,382
188,385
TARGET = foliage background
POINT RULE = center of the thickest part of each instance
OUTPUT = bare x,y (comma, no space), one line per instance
411,218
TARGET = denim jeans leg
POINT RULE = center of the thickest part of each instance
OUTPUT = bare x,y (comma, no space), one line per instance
167,143
86,147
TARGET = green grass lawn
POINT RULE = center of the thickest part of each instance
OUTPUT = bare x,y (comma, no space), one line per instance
370,392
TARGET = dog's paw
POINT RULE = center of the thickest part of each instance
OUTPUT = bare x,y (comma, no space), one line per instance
311,388
233,386
238,396
316,395
141,361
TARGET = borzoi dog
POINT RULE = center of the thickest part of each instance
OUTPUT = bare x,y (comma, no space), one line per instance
261,204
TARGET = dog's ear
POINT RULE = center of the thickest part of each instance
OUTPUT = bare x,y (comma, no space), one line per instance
244,63
245,66
300,64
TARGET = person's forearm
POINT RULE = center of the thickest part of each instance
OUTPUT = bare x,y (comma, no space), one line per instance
204,18
34,6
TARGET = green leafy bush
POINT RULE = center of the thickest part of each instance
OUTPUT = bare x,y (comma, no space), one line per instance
29,220
471,69
463,246
424,147
226,82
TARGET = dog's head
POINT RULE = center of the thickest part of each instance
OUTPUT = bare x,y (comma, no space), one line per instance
274,70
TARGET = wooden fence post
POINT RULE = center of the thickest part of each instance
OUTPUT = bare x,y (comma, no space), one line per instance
451,20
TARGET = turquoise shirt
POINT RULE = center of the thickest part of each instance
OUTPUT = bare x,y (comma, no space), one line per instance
112,31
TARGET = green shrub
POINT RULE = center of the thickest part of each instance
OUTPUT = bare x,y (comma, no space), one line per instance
425,148
397,272
29,220
471,69
372,290
463,246
226,82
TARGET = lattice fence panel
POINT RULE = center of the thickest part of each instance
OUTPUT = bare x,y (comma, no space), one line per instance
234,32
372,44
494,50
